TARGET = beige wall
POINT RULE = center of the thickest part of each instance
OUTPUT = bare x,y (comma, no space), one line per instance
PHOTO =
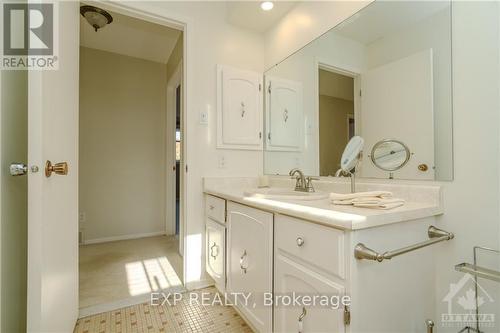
332,132
122,145
14,203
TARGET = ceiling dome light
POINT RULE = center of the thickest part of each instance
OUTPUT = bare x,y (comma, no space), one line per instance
267,5
96,17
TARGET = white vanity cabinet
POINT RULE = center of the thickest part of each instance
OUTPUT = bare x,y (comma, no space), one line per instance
239,109
309,259
215,240
250,261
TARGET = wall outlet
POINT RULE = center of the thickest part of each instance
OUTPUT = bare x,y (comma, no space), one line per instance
222,162
82,217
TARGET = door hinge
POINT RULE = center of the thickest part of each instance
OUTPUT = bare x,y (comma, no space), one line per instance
260,135
269,88
186,168
269,136
260,87
347,316
360,93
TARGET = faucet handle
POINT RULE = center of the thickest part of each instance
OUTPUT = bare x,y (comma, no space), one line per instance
309,185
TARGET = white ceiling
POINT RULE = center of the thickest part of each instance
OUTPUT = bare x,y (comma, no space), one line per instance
383,17
249,15
132,37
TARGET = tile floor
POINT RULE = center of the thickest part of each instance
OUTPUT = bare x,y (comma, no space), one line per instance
115,271
185,316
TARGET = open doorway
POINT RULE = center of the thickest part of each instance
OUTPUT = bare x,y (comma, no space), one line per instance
130,224
337,103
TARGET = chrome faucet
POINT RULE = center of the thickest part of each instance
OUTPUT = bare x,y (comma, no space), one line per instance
343,173
303,183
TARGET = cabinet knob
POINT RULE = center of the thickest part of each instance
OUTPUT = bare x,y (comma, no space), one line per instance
300,241
242,262
301,320
212,248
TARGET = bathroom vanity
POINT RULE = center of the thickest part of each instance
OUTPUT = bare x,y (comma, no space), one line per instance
271,244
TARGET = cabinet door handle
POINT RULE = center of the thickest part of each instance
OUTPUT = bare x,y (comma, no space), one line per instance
211,207
242,259
301,320
212,248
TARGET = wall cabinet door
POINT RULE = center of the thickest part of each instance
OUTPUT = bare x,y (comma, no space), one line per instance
249,261
284,116
215,250
239,109
292,277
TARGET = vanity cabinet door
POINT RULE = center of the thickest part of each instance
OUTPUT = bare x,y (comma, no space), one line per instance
284,115
215,252
292,277
239,108
249,262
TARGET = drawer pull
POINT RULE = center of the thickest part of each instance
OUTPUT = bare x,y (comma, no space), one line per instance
300,241
301,320
212,248
242,260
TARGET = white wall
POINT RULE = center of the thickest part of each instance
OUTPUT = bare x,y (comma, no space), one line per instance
305,22
122,145
211,41
471,200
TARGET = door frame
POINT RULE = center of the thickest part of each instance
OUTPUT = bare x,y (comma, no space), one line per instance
346,70
184,24
174,81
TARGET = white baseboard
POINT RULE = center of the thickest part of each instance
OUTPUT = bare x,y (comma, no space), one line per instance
133,300
122,237
195,285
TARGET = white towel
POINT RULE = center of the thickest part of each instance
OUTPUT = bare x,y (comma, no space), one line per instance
351,196
373,199
379,203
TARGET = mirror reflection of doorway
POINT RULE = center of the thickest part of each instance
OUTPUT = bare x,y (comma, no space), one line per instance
336,118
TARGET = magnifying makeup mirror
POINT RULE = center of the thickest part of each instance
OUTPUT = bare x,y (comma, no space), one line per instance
352,153
390,155
350,159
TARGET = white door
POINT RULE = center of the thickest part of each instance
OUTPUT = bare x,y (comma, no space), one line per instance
239,109
292,277
284,115
53,201
397,103
249,262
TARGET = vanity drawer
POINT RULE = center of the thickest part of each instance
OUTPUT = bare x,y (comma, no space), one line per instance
215,208
319,246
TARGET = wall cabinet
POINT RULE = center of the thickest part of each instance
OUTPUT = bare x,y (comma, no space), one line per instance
239,109
284,115
249,261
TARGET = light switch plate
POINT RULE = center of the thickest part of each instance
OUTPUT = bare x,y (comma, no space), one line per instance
204,117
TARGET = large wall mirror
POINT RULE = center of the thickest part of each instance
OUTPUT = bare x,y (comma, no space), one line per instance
383,74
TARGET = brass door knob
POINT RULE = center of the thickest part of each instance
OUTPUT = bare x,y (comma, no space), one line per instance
60,168
423,167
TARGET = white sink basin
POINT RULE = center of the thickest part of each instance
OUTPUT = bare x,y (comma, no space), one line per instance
284,194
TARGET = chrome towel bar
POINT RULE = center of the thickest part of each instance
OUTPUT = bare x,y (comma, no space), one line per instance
436,235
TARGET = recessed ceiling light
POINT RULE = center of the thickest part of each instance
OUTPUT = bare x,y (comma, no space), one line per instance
267,5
